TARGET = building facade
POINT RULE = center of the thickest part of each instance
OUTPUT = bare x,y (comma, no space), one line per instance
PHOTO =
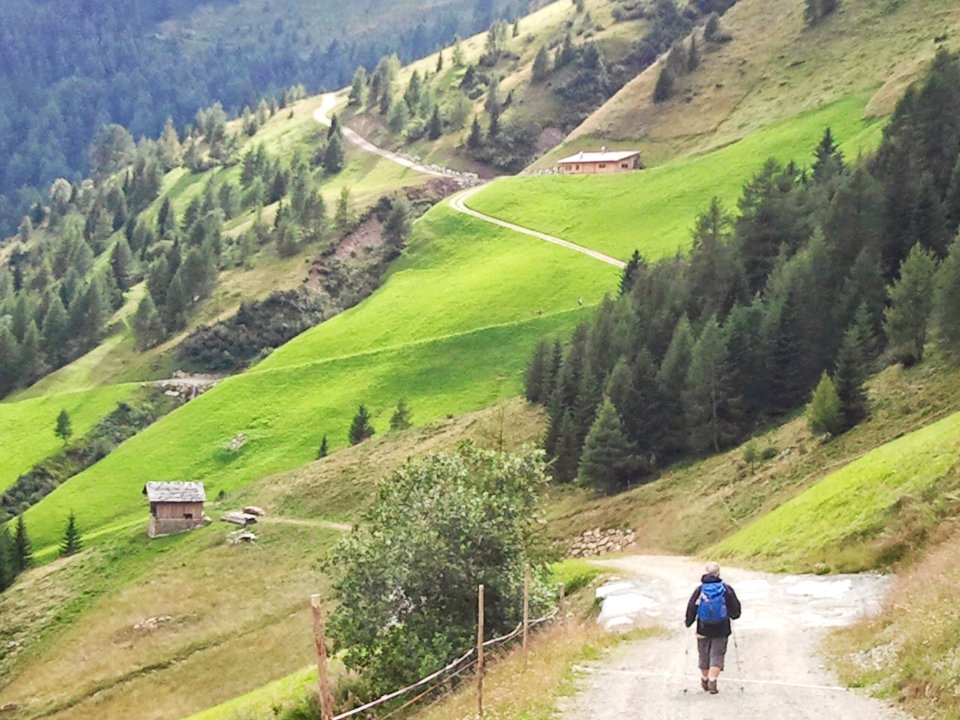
175,507
600,163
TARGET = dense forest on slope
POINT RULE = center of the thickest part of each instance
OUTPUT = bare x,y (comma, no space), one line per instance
66,70
821,275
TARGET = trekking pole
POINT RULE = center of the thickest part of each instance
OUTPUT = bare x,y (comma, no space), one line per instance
736,652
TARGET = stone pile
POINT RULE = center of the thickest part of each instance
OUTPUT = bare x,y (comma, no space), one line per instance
601,542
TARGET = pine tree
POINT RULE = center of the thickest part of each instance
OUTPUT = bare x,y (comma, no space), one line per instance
435,129
9,360
6,560
121,263
693,54
64,427
440,62
947,302
361,428
671,379
476,135
31,361
634,265
401,419
541,65
22,548
333,157
175,309
358,87
951,203
928,223
663,90
324,448
536,371
72,542
824,416
829,160
606,462
147,325
342,219
911,303
709,405
567,456
853,368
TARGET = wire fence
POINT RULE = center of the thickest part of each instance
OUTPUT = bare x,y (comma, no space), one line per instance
462,664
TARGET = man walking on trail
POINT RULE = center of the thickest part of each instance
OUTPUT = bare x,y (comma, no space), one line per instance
712,606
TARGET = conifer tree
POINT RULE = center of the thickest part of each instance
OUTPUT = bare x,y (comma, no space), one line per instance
22,548
9,360
358,87
324,449
947,302
361,428
536,372
333,157
54,331
853,368
31,365
401,419
64,427
824,416
671,379
541,65
911,303
6,560
177,302
693,54
342,218
147,324
710,408
476,135
121,263
828,163
928,224
567,456
72,542
951,203
634,265
607,456
435,129
663,90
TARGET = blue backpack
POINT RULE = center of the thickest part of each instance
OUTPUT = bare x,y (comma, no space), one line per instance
713,603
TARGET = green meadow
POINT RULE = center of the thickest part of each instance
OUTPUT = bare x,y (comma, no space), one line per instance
654,210
865,515
450,330
26,427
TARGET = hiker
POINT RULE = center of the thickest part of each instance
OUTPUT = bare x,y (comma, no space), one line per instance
713,605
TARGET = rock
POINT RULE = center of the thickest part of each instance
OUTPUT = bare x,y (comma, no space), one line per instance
151,624
9,708
255,510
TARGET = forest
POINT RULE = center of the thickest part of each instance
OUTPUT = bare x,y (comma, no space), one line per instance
102,63
821,277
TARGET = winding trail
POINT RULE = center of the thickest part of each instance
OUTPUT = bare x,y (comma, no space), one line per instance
774,672
459,201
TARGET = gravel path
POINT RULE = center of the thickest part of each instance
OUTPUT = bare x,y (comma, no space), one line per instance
777,673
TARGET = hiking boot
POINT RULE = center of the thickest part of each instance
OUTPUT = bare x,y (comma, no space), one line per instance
712,687
704,684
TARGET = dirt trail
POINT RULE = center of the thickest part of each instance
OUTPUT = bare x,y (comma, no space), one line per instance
326,524
779,675
458,202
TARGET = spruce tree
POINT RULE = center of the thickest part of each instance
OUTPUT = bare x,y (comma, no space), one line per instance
9,360
671,379
324,449
634,266
824,416
342,219
121,263
476,135
928,223
148,327
72,542
54,332
358,87
911,303
536,372
947,303
951,203
31,361
361,428
663,90
607,456
567,456
22,548
401,418
333,157
64,427
435,129
828,163
541,65
693,54
6,560
853,368
710,407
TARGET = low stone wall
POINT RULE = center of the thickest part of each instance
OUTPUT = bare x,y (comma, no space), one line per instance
160,527
601,542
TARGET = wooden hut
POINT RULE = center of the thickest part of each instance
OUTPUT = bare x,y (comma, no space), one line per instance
600,163
175,507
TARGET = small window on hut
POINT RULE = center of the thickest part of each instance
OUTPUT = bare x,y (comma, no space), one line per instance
578,167
624,166
188,516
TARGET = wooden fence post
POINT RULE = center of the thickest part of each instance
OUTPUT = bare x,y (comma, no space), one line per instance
480,653
563,601
323,673
526,608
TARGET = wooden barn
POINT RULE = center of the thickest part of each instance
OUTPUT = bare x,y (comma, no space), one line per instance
601,163
175,507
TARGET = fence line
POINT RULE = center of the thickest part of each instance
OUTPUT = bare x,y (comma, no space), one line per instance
448,668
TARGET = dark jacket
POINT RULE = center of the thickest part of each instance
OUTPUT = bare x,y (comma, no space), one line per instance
714,630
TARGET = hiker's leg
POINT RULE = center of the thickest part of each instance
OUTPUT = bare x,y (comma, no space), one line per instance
718,652
703,651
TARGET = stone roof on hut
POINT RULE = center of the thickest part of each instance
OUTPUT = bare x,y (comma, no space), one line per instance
175,492
591,157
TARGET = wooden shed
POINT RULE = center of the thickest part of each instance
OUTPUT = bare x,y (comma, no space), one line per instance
175,507
601,163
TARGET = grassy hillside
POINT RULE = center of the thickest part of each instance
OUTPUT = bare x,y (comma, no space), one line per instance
26,427
654,210
239,615
867,514
772,71
450,330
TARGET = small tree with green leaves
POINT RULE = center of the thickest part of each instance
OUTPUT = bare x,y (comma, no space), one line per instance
324,449
361,428
64,427
401,418
72,541
823,411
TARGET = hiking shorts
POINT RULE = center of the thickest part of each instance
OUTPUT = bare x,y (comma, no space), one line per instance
712,651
